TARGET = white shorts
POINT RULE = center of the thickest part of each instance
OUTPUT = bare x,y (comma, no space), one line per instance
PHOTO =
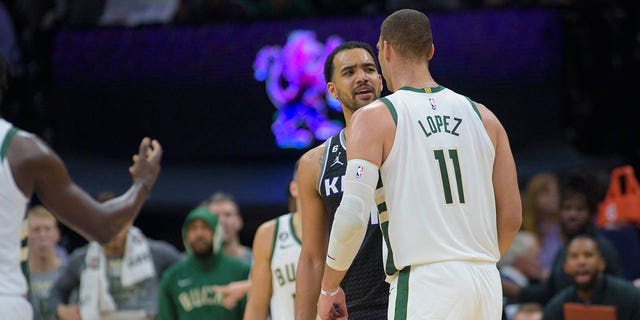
456,290
15,307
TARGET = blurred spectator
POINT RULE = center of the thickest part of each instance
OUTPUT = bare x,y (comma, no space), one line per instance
187,290
590,287
580,193
130,266
528,311
44,262
541,215
224,206
521,265
120,279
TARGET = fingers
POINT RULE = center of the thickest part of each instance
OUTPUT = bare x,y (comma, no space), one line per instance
144,146
343,310
156,152
151,150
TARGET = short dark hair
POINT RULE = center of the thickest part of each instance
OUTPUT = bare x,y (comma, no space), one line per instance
409,31
328,64
586,236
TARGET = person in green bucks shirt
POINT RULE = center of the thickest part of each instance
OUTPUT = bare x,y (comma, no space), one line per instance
187,289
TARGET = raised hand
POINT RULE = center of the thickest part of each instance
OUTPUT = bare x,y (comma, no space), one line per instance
146,164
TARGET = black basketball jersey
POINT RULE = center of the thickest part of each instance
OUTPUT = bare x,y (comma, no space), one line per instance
366,291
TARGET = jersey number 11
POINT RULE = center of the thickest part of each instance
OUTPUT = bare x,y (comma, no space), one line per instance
444,174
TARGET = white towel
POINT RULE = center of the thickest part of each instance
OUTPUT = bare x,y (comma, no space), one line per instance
137,265
138,262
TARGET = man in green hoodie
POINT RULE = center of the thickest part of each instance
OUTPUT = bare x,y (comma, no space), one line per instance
187,288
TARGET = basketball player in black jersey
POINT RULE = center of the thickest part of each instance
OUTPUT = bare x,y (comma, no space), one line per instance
352,77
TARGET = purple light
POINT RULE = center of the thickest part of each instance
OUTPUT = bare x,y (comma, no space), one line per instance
294,81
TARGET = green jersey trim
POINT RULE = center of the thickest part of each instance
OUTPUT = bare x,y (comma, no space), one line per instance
402,294
293,230
475,107
7,142
423,90
275,238
392,109
390,267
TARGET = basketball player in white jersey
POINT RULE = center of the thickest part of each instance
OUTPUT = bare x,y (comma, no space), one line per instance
450,186
352,77
276,248
27,167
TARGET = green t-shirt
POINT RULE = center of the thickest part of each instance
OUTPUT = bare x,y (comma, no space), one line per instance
186,291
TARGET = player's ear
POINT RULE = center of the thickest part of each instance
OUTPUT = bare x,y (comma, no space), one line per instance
332,90
386,50
431,52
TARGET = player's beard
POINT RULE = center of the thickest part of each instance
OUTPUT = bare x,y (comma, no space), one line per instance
352,102
591,284
203,252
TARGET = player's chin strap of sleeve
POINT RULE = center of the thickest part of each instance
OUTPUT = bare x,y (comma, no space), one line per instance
352,216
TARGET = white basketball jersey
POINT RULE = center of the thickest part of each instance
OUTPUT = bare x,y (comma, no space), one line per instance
438,181
13,205
284,261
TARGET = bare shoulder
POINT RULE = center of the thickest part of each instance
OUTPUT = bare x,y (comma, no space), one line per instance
28,146
485,113
31,159
371,110
266,229
311,162
375,116
263,239
489,119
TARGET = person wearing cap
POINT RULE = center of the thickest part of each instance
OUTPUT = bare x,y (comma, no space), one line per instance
188,288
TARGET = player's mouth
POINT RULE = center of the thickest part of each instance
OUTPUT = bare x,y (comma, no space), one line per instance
364,92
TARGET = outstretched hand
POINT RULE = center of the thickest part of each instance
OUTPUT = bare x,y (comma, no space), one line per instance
233,292
146,164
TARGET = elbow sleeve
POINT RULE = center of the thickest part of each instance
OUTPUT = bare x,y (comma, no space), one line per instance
352,216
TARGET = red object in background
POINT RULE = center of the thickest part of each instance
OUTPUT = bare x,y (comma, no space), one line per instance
621,205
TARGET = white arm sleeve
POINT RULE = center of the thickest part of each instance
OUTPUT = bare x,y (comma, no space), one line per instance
352,216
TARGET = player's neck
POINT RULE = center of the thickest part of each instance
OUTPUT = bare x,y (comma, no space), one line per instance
347,115
406,74
44,263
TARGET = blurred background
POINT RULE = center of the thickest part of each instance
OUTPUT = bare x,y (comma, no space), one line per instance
234,92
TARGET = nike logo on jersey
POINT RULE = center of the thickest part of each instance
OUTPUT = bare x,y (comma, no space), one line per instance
286,246
184,282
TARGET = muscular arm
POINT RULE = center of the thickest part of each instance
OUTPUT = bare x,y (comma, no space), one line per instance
505,181
261,289
315,231
38,169
369,137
